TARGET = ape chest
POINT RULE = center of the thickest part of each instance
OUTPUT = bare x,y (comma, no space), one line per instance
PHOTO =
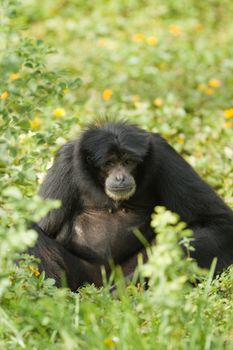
106,232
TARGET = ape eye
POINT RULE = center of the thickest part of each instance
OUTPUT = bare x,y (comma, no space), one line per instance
128,162
109,163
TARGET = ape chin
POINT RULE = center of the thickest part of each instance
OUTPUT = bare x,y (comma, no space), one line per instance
109,181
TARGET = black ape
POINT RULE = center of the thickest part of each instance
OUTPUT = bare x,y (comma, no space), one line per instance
109,182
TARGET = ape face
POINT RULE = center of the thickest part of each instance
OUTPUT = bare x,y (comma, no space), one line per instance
111,157
118,176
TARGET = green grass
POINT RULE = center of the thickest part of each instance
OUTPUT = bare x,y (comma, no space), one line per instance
166,65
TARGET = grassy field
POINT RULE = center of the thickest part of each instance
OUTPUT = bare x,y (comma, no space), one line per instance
165,65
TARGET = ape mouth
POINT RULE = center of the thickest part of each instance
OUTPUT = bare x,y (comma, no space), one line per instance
120,193
121,189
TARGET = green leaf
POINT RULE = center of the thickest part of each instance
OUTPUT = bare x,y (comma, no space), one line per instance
13,192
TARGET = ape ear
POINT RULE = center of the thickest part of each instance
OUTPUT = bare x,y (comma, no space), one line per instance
59,184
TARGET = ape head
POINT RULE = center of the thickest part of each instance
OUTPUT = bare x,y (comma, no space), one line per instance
111,155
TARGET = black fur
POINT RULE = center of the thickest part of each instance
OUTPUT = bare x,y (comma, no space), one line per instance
89,228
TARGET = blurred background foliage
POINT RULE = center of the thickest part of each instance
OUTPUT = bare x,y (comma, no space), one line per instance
165,65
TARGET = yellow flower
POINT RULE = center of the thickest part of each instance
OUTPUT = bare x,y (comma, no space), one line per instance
59,112
35,123
198,27
138,37
152,40
201,87
107,93
214,83
66,90
158,102
34,270
209,91
110,342
102,42
181,140
205,89
22,139
228,113
175,30
228,125
4,95
135,98
14,76
163,65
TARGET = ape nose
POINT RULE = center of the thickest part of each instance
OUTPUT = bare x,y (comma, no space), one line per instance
120,178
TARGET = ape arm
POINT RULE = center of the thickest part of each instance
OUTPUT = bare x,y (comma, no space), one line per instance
180,189
59,184
57,262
